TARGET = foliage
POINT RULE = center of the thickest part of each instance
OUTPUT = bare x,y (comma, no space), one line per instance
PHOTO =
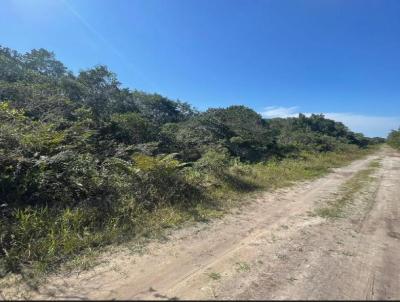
314,133
85,162
238,129
131,128
393,139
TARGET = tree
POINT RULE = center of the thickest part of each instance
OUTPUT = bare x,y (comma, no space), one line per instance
161,110
44,62
237,128
11,66
100,90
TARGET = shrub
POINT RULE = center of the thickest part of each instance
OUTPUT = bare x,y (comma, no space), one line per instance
394,139
131,128
162,182
214,161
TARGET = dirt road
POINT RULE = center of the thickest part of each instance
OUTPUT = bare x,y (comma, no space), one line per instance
274,248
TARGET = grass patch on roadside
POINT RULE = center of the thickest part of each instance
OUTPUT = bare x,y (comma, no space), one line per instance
275,174
335,208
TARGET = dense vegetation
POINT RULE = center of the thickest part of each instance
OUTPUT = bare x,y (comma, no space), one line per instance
393,139
85,162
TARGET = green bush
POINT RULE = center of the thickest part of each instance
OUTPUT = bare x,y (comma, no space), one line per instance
213,161
160,181
393,139
131,128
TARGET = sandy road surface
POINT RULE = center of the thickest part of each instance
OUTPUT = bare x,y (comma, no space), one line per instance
273,248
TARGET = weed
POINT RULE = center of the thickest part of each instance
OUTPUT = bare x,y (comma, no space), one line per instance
214,276
282,256
242,267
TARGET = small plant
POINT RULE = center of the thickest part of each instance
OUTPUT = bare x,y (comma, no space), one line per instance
242,267
282,256
214,275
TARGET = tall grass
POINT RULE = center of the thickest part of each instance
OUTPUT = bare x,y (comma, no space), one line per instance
274,174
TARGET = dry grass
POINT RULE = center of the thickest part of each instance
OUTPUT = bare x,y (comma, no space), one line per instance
335,208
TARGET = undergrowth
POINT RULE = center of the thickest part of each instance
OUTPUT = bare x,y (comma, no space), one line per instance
42,237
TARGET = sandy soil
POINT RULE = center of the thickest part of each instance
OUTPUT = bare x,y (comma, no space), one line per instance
273,248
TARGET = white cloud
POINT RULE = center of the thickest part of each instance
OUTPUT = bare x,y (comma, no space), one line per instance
368,124
275,111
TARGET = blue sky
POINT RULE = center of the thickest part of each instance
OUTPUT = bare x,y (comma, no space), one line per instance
341,58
